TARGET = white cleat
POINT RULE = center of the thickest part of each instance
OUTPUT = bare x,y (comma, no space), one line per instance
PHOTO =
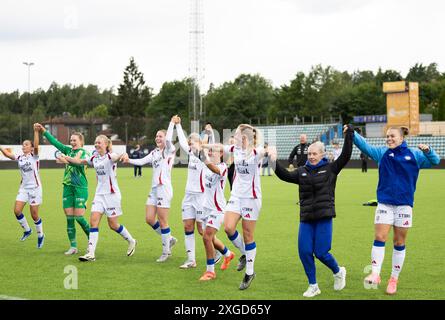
312,291
87,257
340,279
71,251
188,265
131,248
163,257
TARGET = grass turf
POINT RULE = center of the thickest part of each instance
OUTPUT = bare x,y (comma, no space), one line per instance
30,273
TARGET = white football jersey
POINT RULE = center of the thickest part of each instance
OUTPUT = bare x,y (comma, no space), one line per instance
246,178
214,188
161,160
29,170
195,172
105,173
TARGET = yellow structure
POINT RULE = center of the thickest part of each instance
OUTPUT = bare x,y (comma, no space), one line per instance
402,105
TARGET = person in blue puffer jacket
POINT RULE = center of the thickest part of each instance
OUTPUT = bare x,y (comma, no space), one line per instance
399,168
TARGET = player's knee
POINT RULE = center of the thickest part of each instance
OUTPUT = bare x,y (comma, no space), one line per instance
150,220
229,230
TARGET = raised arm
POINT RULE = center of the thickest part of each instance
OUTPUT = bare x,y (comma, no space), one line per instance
375,153
169,137
56,143
36,141
7,153
426,157
182,139
346,151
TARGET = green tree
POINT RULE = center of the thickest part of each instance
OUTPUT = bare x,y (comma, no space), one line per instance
441,113
132,100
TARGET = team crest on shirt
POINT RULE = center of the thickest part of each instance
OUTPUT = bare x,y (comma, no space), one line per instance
391,155
407,158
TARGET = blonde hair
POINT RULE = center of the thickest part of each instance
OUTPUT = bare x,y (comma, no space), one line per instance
250,131
80,136
195,137
107,141
319,145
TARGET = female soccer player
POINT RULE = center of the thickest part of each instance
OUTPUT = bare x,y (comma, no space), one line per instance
30,190
317,180
245,199
192,210
159,199
75,186
398,171
214,204
107,199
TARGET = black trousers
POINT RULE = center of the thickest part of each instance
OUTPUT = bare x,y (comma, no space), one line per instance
137,171
364,166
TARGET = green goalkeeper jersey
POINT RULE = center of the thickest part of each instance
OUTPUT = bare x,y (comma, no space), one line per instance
74,174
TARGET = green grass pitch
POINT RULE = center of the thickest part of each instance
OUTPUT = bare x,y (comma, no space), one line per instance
30,273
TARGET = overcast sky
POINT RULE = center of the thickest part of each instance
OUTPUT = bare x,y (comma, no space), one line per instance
91,41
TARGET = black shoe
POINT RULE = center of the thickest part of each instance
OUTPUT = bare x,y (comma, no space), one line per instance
242,263
247,280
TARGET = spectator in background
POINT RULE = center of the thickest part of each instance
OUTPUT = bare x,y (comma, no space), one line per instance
300,151
137,154
266,159
364,159
336,151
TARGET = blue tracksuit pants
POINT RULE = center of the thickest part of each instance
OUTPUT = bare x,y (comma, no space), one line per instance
315,239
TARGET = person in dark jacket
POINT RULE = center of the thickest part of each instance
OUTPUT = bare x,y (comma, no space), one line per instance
137,154
317,180
300,151
398,172
364,159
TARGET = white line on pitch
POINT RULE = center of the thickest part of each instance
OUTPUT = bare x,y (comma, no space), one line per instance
3,297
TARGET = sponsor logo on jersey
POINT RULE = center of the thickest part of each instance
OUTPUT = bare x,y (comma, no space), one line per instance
407,158
391,155
324,171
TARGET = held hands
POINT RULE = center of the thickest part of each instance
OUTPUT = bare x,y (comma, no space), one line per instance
39,127
62,159
124,158
424,147
175,119
272,150
348,128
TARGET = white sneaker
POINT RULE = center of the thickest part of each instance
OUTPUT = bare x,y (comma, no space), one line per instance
312,291
87,257
218,256
71,251
131,248
163,257
188,265
340,279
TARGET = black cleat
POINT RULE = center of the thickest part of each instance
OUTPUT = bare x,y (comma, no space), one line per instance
242,263
247,280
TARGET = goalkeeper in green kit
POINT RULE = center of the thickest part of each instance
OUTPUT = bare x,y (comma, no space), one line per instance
75,185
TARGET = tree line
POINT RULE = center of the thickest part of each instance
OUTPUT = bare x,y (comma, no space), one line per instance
136,113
